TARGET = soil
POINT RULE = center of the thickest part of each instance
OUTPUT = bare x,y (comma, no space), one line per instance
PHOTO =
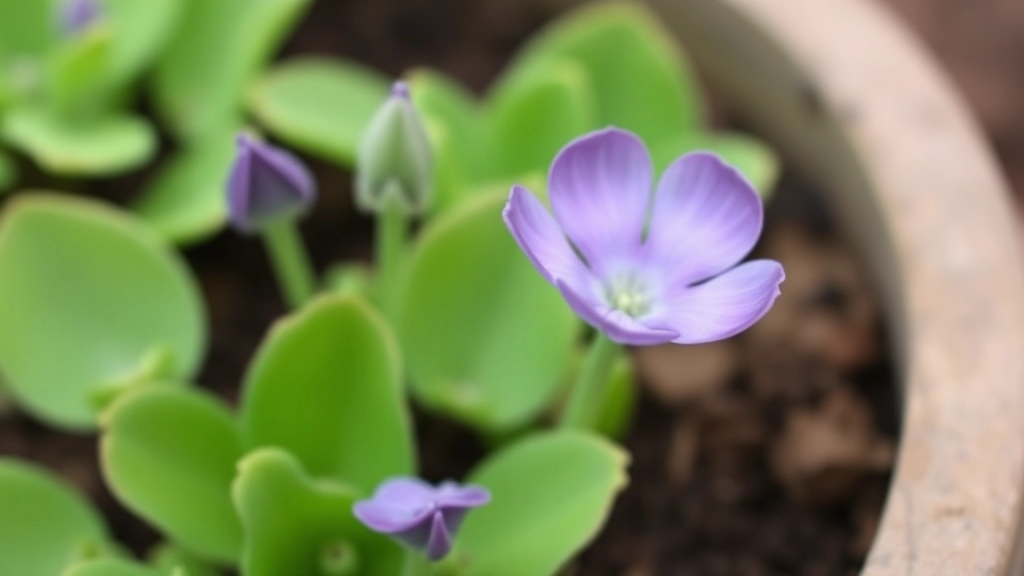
767,454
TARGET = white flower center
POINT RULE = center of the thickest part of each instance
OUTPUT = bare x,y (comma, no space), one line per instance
629,294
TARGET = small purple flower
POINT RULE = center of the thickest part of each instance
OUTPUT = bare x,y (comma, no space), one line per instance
78,15
419,515
266,184
648,270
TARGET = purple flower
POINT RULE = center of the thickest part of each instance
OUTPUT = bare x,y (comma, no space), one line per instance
419,515
266,184
77,15
647,270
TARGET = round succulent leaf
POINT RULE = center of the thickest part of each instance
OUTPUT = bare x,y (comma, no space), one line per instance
8,172
110,567
169,454
46,524
293,522
752,157
185,202
201,77
486,339
88,295
454,126
100,146
532,115
140,31
74,70
170,560
550,494
8,93
319,105
326,386
26,29
641,80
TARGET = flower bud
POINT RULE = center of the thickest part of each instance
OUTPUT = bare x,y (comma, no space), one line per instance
266,185
78,15
395,162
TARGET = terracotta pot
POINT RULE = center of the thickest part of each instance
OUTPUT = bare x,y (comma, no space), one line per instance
856,105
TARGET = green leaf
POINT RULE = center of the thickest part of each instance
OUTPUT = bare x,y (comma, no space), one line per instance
87,296
140,31
455,127
326,386
26,28
96,147
218,48
168,558
169,454
109,567
551,493
74,68
293,524
8,172
533,116
46,524
185,201
319,105
753,158
641,80
90,69
486,338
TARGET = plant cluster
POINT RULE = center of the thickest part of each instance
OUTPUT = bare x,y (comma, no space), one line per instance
314,472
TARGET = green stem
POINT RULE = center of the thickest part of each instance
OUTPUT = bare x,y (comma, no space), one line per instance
416,564
290,262
392,225
585,400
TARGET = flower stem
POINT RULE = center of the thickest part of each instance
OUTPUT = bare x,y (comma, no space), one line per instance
416,564
290,262
588,392
392,225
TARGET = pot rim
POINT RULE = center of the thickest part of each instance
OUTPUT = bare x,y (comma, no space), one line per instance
855,103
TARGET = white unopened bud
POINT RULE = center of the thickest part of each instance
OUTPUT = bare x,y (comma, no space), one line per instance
395,163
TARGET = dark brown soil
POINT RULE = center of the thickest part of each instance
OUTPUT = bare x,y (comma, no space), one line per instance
767,455
764,455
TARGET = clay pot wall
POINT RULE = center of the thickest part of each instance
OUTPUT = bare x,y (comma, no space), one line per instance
855,103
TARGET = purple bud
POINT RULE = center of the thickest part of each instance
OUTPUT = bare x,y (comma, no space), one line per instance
400,89
419,515
267,184
78,15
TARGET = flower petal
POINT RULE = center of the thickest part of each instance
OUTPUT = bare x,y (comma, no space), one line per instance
238,188
723,306
599,186
539,236
440,541
706,217
450,494
397,505
405,491
388,518
286,166
615,324
266,184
